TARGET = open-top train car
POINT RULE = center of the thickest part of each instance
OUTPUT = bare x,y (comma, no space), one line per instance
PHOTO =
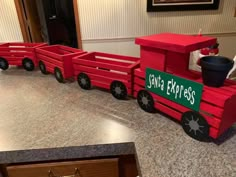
19,54
57,59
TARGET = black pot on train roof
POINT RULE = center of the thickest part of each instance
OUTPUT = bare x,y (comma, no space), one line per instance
215,70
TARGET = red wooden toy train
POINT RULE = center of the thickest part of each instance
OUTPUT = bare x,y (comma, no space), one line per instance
160,79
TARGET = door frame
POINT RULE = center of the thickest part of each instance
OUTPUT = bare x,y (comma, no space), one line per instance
26,38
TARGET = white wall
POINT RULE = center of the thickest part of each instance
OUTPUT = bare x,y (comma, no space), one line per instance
112,25
9,24
105,19
227,46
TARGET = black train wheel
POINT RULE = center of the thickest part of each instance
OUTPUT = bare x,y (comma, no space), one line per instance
84,81
3,64
118,90
145,101
28,64
58,75
42,68
195,125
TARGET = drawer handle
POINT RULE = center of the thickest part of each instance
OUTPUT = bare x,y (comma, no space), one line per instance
76,174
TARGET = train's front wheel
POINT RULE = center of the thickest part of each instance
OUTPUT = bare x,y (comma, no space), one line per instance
145,101
195,125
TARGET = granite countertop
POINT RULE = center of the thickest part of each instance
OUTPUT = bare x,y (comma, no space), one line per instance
37,113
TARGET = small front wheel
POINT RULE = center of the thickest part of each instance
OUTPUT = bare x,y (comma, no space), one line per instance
195,125
118,90
145,101
3,64
42,67
84,81
58,75
28,64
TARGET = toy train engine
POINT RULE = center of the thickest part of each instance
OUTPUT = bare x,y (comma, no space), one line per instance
164,82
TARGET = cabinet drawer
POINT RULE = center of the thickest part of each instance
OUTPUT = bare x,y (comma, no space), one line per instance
84,168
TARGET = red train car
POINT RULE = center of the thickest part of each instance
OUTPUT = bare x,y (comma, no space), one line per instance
109,71
164,82
57,59
19,54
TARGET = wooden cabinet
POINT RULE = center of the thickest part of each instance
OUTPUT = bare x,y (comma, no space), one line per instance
82,168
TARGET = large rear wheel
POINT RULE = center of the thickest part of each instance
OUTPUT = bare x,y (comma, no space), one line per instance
195,125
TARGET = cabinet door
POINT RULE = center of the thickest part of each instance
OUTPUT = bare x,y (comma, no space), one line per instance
85,168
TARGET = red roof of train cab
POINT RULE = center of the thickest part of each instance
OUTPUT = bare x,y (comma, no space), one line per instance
176,42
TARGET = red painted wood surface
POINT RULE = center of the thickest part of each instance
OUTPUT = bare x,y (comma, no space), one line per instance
176,42
152,58
177,62
103,69
58,56
229,114
216,107
15,52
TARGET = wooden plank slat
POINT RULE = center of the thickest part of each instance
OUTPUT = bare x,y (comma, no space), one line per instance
52,65
112,62
20,49
139,81
49,54
138,88
9,59
50,69
171,104
139,73
212,121
16,62
121,57
101,72
102,65
107,80
99,84
219,90
168,111
216,111
214,98
15,53
69,49
49,60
